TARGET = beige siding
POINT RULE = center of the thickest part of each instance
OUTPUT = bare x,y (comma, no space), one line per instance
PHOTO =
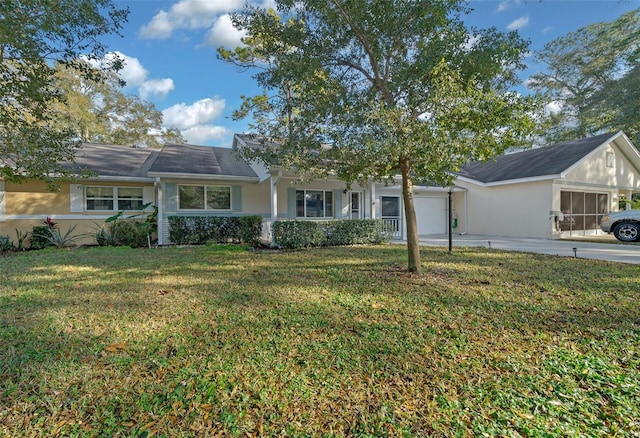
594,171
27,205
516,210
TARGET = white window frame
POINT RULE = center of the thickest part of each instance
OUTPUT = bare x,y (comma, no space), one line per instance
204,200
324,203
360,204
114,198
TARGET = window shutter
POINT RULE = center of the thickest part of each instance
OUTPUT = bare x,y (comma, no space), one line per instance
149,196
171,198
236,198
291,202
76,192
337,204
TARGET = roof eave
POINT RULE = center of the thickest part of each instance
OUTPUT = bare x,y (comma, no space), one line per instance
510,181
207,177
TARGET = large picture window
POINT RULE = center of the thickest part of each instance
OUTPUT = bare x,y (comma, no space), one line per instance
113,198
314,203
204,197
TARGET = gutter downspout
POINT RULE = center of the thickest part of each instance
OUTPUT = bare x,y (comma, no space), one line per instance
159,204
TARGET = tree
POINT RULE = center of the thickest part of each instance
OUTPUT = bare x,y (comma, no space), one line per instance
371,89
97,110
594,76
34,34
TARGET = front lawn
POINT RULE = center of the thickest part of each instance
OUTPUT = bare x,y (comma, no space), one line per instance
209,340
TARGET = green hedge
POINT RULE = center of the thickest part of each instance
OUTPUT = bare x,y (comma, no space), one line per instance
301,234
215,229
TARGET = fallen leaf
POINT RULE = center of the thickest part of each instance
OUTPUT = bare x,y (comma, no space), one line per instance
115,347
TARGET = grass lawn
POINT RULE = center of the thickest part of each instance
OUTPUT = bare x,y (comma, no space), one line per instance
217,340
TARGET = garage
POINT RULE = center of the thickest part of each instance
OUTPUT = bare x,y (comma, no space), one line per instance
431,215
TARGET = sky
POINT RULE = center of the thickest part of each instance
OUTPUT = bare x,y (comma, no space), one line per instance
169,48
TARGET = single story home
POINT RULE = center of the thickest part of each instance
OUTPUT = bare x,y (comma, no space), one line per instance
548,192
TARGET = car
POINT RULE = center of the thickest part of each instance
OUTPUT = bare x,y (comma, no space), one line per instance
625,225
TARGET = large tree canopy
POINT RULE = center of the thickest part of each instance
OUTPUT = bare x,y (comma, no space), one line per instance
593,75
97,110
34,35
372,89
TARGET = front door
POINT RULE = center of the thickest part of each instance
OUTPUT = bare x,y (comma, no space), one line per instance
355,208
390,212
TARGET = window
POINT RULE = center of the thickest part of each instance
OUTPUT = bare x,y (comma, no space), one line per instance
129,198
204,197
113,198
314,203
610,160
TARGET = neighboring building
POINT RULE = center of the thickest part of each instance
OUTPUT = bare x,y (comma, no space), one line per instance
547,192
554,191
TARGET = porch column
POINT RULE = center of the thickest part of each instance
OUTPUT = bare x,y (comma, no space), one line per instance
372,200
273,183
627,205
274,196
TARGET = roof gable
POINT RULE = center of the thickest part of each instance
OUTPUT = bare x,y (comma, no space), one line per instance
535,163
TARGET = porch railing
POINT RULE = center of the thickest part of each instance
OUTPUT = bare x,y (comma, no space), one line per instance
392,226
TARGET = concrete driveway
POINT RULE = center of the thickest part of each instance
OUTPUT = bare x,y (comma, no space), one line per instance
607,248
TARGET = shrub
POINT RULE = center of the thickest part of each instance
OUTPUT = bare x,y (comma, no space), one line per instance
57,238
130,233
215,229
124,232
301,234
251,229
39,239
355,232
298,234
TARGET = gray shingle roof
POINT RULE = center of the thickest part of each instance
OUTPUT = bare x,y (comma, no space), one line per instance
111,160
200,160
544,161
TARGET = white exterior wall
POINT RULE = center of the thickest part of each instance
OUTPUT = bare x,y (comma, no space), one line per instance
593,175
515,210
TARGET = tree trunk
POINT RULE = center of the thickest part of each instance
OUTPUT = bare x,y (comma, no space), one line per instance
413,246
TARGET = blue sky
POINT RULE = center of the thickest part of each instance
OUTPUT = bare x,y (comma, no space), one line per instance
169,48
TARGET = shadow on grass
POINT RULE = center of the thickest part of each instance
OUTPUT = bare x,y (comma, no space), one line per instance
175,314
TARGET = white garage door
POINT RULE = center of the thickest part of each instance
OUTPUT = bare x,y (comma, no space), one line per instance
431,214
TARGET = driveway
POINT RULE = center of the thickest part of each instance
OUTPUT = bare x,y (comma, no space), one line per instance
608,249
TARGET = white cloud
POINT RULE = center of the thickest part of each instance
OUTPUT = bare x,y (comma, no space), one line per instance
157,88
195,121
519,23
137,77
224,34
203,134
133,73
553,107
187,14
506,4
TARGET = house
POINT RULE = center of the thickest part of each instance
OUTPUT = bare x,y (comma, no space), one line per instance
551,192
548,192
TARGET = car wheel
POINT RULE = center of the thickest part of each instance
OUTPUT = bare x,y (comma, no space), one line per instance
627,232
